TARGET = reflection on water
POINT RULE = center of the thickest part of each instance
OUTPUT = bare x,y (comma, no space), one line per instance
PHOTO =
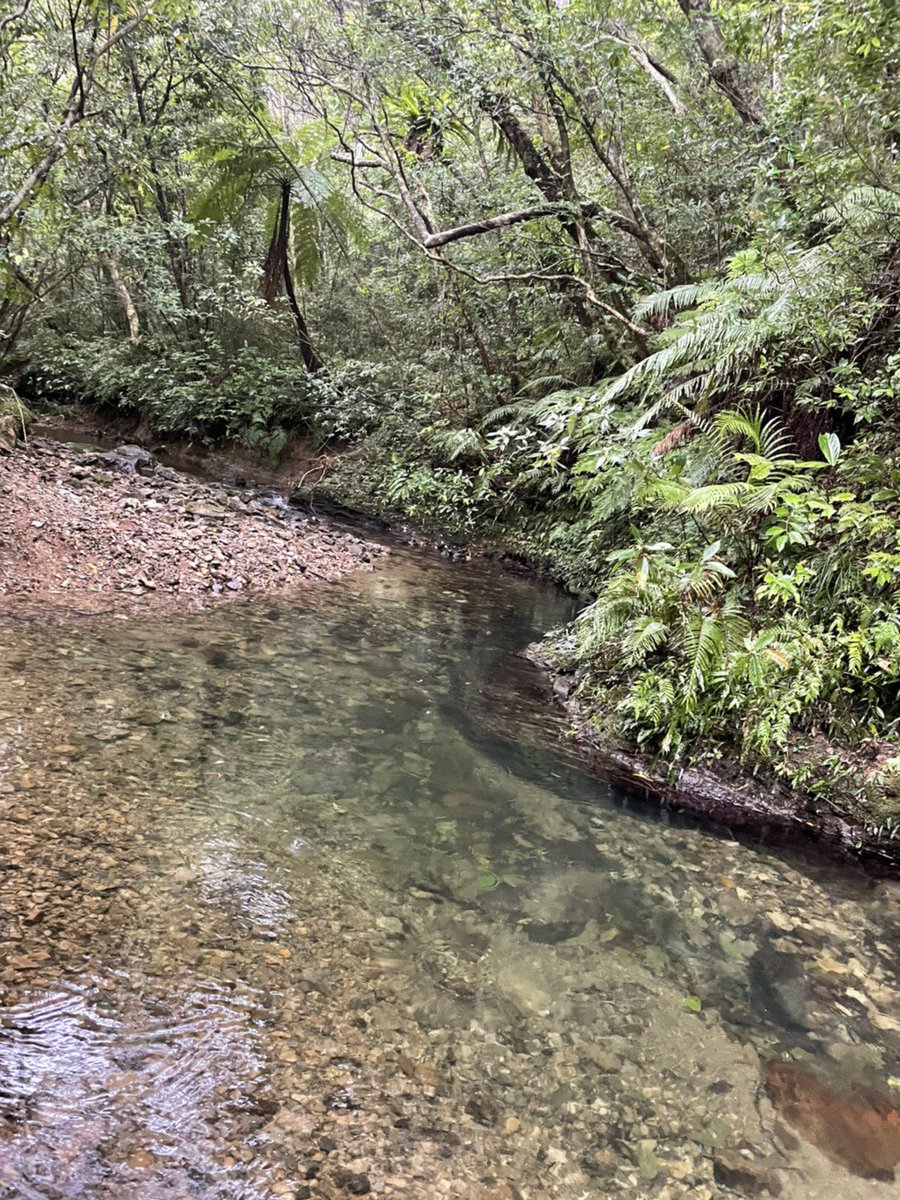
304,898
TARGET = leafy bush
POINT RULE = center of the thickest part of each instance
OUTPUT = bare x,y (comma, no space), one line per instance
198,390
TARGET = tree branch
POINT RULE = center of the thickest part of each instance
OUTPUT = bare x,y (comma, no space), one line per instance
661,75
15,16
503,220
724,70
72,114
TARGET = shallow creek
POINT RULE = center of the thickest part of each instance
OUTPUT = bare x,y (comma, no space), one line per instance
309,898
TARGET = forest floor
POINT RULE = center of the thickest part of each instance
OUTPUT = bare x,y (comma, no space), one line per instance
116,530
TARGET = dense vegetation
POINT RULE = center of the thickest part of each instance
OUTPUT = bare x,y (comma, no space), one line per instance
612,283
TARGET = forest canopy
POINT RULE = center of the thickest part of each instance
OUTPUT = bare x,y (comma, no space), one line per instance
614,283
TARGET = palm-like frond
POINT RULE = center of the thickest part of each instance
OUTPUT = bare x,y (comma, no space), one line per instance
725,324
704,647
686,295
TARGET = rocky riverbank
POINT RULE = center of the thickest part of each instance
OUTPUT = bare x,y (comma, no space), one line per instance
116,530
725,792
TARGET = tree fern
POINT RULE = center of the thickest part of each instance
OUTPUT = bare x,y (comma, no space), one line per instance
722,327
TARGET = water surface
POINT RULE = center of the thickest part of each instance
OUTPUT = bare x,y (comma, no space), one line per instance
307,897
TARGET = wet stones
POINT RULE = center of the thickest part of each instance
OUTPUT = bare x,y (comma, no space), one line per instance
353,1183
746,1174
484,1108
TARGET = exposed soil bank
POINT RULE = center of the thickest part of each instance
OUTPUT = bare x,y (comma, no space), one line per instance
119,531
725,793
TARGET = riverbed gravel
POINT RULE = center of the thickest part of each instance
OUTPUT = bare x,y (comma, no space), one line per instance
116,530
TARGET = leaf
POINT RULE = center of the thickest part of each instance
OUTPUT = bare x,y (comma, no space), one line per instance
306,237
830,445
487,883
693,1004
703,645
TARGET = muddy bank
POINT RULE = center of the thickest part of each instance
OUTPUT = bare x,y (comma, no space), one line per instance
299,464
115,530
725,793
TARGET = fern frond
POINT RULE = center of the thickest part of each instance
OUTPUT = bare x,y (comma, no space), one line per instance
686,295
646,635
715,495
703,645
306,244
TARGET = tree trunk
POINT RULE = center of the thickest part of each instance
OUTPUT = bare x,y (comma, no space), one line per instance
277,272
128,309
724,70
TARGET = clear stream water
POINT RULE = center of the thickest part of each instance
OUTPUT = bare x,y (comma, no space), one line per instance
307,897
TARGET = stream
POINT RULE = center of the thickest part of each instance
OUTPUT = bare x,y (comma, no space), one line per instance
309,898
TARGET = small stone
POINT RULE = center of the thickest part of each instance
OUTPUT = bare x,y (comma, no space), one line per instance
483,1108
513,1125
140,1159
352,1182
647,1163
749,1176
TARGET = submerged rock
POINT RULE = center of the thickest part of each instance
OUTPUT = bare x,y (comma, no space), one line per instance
746,1174
778,989
856,1127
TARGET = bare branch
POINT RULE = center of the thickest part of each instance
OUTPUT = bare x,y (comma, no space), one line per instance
372,163
724,70
15,16
661,76
489,224
541,277
560,210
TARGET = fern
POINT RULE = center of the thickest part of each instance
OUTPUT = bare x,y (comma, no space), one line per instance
704,646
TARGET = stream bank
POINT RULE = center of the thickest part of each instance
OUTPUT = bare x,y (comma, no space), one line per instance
117,530
721,790
121,529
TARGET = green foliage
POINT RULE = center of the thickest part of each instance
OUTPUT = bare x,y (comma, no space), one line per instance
200,391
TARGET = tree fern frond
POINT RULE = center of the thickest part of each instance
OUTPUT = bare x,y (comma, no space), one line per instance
498,416
306,244
715,495
546,383
863,204
686,295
